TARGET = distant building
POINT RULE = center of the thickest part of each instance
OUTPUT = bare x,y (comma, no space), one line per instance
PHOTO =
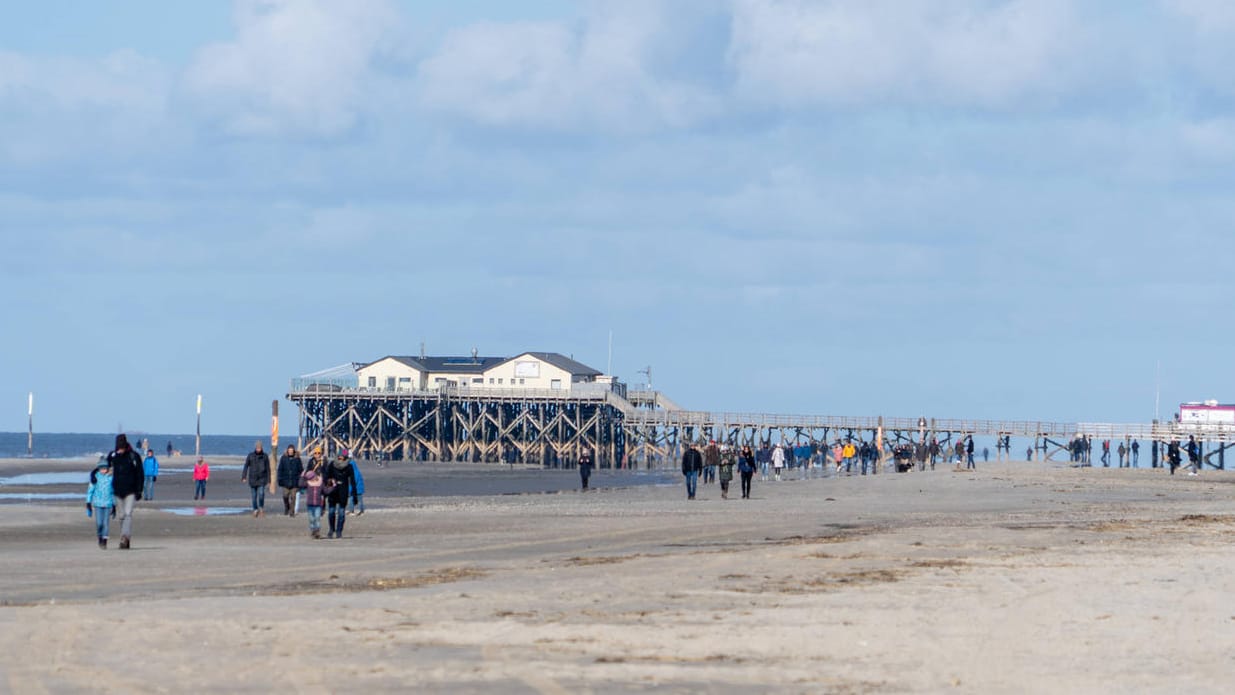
528,370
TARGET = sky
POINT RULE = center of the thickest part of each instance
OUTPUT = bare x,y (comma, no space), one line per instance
1003,209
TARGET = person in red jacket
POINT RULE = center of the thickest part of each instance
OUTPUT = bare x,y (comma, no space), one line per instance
201,473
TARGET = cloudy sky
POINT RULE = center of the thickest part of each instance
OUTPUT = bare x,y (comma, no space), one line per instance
959,208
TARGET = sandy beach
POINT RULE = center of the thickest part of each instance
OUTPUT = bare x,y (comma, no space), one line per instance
1018,577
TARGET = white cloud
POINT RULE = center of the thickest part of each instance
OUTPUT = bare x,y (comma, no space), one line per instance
950,52
558,74
295,66
57,108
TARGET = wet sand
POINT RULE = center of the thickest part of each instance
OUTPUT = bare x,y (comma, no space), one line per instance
1016,578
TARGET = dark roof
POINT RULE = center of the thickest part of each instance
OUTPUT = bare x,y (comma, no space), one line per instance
468,365
460,364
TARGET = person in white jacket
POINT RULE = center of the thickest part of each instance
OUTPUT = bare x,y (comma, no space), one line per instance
778,460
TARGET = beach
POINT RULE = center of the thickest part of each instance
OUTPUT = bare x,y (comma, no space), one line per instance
1017,577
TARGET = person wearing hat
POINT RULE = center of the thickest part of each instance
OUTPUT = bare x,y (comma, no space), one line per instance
290,468
128,478
256,473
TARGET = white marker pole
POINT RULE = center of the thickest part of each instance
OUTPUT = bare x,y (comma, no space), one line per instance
30,427
197,448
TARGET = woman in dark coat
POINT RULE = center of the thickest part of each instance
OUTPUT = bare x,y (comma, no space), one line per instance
339,482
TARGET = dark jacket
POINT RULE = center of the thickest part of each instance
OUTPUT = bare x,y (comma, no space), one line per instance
691,461
341,479
585,466
256,469
290,468
128,476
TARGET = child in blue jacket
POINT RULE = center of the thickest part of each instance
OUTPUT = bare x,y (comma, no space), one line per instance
100,500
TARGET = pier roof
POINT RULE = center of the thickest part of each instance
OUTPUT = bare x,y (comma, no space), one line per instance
467,364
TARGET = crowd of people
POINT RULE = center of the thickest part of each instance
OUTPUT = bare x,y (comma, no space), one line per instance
333,490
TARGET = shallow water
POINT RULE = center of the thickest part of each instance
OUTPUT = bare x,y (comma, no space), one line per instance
73,478
204,511
34,496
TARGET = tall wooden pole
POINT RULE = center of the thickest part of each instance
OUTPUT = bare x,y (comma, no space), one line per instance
197,447
274,437
30,426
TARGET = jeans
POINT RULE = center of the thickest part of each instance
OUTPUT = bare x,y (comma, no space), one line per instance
357,502
746,483
1136,458
126,515
336,516
289,499
102,520
199,490
148,489
315,518
763,467
259,497
692,479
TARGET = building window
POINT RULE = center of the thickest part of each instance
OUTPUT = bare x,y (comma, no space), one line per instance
490,381
478,380
556,384
499,381
520,382
372,382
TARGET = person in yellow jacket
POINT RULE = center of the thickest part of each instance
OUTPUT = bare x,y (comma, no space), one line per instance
849,452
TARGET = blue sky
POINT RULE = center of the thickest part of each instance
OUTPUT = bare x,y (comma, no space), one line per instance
959,208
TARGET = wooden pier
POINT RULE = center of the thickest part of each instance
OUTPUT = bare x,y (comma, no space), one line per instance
640,428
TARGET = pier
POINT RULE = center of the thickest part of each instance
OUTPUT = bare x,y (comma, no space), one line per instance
644,428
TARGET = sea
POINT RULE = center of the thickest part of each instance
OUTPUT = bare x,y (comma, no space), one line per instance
85,446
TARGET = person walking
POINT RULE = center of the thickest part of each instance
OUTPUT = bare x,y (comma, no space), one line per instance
1123,453
288,477
1136,454
256,473
778,460
969,453
150,471
711,459
692,464
127,479
1194,456
585,468
850,452
338,488
838,455
727,459
746,468
1173,457
765,460
314,499
99,502
201,473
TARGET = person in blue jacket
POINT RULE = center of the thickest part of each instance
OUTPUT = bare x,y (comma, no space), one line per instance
357,504
99,501
150,467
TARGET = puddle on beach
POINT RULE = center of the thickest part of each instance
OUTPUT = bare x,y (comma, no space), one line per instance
205,511
73,478
35,496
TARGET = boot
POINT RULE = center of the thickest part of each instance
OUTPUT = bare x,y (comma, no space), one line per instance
338,532
102,544
287,506
124,542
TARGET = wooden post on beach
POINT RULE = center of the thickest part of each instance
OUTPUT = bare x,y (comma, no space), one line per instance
197,445
30,427
274,437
